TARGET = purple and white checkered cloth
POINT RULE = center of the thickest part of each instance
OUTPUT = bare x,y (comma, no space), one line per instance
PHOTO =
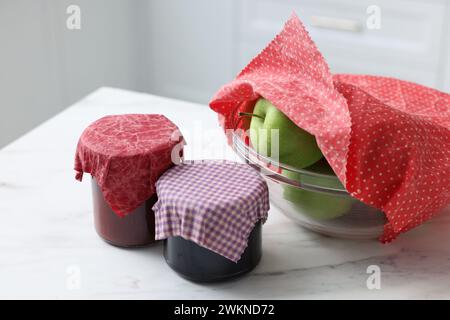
215,203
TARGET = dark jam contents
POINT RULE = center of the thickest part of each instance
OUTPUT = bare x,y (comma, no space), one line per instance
134,230
199,264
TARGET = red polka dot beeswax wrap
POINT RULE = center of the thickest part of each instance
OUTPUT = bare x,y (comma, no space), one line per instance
387,140
126,154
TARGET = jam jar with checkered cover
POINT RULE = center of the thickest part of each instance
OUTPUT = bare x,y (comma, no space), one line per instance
211,214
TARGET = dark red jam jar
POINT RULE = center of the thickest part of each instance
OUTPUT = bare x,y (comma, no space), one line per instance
133,230
125,155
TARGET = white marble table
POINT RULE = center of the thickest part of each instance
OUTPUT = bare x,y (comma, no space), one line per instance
49,249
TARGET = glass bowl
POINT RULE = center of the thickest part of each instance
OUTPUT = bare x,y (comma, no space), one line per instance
314,199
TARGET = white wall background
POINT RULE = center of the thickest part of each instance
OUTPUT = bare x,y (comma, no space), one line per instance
187,49
44,67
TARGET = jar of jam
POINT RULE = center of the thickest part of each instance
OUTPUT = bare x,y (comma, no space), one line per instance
135,229
196,263
125,155
211,214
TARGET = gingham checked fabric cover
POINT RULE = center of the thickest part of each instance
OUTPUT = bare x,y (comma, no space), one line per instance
213,203
126,154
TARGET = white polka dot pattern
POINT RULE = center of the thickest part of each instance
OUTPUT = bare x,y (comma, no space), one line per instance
399,155
387,140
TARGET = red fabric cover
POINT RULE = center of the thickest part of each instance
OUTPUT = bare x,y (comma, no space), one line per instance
387,140
126,154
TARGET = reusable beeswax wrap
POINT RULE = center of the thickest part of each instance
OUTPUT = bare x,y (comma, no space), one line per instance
387,140
215,204
126,154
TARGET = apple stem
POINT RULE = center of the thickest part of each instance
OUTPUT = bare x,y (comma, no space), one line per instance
248,114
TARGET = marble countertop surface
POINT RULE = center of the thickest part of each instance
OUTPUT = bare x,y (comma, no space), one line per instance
49,248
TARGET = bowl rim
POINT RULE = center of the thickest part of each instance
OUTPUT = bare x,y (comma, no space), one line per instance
270,166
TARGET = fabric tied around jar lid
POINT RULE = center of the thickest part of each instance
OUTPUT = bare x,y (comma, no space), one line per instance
214,203
387,140
126,154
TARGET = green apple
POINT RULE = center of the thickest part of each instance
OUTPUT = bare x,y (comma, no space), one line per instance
296,147
326,178
317,205
322,166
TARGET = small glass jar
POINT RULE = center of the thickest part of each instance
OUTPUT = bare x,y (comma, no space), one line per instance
136,229
125,155
196,263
